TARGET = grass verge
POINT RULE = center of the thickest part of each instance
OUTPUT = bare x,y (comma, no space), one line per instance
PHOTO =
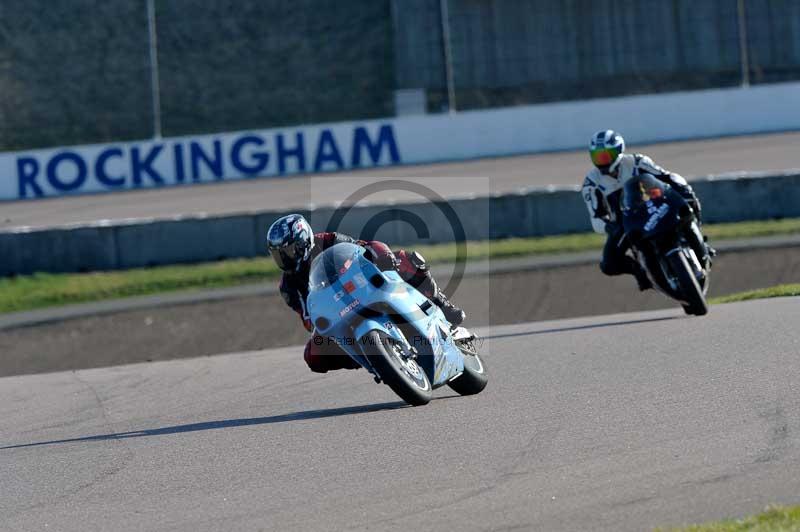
773,519
752,229
45,290
783,290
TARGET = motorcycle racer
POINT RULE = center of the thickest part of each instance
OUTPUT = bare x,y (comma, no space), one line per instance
602,191
293,245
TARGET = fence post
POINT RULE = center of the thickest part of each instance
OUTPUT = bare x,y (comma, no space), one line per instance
155,96
744,53
444,14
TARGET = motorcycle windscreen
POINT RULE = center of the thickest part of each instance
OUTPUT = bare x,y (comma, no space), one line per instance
638,191
332,264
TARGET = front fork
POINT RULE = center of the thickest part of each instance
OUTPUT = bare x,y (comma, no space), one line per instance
389,328
696,253
697,243
690,242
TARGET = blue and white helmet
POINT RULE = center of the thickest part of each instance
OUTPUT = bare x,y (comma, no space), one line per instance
289,241
606,149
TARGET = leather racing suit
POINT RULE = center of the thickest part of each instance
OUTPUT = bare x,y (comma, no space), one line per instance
602,194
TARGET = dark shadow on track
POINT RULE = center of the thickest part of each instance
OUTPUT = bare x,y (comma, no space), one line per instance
580,327
229,423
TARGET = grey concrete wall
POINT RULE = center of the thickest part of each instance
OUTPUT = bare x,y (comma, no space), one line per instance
198,239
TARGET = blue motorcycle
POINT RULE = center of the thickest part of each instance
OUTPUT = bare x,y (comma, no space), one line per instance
390,328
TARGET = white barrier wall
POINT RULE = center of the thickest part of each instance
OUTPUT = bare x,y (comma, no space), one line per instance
420,139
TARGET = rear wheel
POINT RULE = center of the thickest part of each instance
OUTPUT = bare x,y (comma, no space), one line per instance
473,380
689,287
400,371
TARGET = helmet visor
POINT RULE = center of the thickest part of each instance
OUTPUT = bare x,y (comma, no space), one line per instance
285,257
604,156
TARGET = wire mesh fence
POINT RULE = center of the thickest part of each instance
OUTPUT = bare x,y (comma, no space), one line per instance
82,71
72,72
572,50
79,71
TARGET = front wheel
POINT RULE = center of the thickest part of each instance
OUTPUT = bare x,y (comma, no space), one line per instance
473,379
399,371
689,287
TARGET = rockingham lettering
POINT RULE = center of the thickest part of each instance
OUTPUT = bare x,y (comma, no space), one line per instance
212,162
144,165
361,142
100,168
200,159
327,152
27,170
298,153
258,160
61,166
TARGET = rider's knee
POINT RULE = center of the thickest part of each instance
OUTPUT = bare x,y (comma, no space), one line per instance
323,355
609,267
314,357
383,257
411,264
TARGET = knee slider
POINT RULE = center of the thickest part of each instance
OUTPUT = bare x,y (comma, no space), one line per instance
314,358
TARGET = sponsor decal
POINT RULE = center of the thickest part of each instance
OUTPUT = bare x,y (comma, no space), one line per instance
346,310
656,217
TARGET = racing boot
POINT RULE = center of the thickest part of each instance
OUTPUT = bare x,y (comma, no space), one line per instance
455,315
707,260
711,251
699,243
428,287
422,280
694,203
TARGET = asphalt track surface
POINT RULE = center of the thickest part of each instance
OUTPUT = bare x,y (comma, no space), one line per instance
622,422
505,174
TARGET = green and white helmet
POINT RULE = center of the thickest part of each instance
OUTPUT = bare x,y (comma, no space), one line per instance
605,150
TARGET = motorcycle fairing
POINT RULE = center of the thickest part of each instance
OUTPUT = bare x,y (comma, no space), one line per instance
354,311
